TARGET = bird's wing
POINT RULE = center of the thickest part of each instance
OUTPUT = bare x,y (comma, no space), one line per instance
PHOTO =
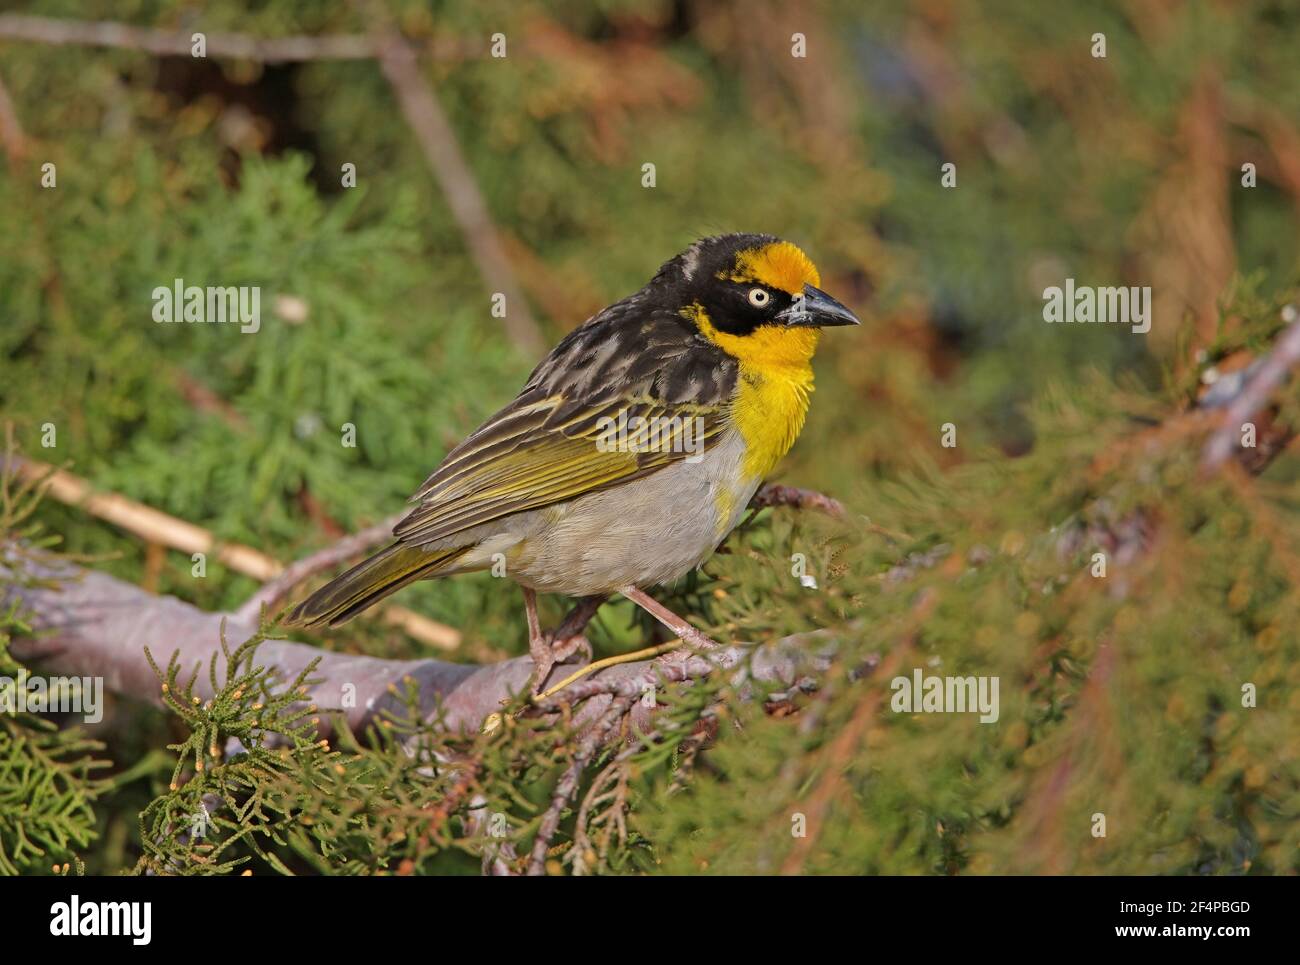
552,443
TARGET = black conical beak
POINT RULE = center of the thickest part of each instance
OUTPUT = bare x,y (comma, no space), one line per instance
816,309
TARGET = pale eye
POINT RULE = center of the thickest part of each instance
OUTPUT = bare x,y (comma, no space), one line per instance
759,297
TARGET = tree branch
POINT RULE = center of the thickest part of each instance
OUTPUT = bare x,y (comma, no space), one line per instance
1253,397
772,494
437,139
12,138
91,624
162,529
326,559
177,43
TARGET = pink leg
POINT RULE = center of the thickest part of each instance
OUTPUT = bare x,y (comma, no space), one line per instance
548,649
534,625
668,618
538,646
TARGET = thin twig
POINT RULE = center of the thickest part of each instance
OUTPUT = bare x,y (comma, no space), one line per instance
1253,397
614,772
155,526
277,589
11,131
438,141
776,495
178,43
464,783
151,525
591,742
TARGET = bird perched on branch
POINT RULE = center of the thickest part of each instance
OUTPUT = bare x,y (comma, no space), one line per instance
632,451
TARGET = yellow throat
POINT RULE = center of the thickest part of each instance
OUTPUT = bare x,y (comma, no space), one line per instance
771,402
776,376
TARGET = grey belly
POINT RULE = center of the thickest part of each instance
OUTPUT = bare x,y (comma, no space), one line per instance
650,531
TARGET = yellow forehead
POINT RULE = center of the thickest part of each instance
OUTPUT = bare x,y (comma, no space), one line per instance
778,265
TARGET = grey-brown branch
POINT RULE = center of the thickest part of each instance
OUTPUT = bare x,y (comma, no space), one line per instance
91,624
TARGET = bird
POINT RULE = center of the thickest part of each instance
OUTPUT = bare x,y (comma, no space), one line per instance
631,452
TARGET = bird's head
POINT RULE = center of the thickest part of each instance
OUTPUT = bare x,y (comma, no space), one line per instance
754,295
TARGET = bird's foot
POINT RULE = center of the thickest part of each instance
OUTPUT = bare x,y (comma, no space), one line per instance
548,651
566,648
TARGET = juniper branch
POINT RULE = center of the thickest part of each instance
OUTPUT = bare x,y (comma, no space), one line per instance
177,43
1254,396
567,786
11,131
275,591
437,139
92,624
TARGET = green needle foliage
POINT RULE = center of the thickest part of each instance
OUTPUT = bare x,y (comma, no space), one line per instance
48,784
48,780
1159,696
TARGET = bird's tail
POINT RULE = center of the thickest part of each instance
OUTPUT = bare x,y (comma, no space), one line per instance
369,582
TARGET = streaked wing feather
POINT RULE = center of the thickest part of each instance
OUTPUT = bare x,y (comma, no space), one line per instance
542,448
539,466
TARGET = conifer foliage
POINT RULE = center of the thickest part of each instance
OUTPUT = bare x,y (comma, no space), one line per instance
1035,607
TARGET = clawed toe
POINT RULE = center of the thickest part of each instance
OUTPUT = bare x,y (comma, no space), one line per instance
545,649
548,651
564,649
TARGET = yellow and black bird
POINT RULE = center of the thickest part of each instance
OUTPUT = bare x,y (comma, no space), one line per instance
631,452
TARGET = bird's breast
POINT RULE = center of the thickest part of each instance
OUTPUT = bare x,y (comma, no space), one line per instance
768,412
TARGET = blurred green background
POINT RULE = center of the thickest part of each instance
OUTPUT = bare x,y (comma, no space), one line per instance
1122,170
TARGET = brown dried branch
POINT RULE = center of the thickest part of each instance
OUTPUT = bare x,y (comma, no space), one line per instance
205,400
176,43
441,149
92,624
149,524
776,495
1254,396
158,527
12,138
567,786
331,556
